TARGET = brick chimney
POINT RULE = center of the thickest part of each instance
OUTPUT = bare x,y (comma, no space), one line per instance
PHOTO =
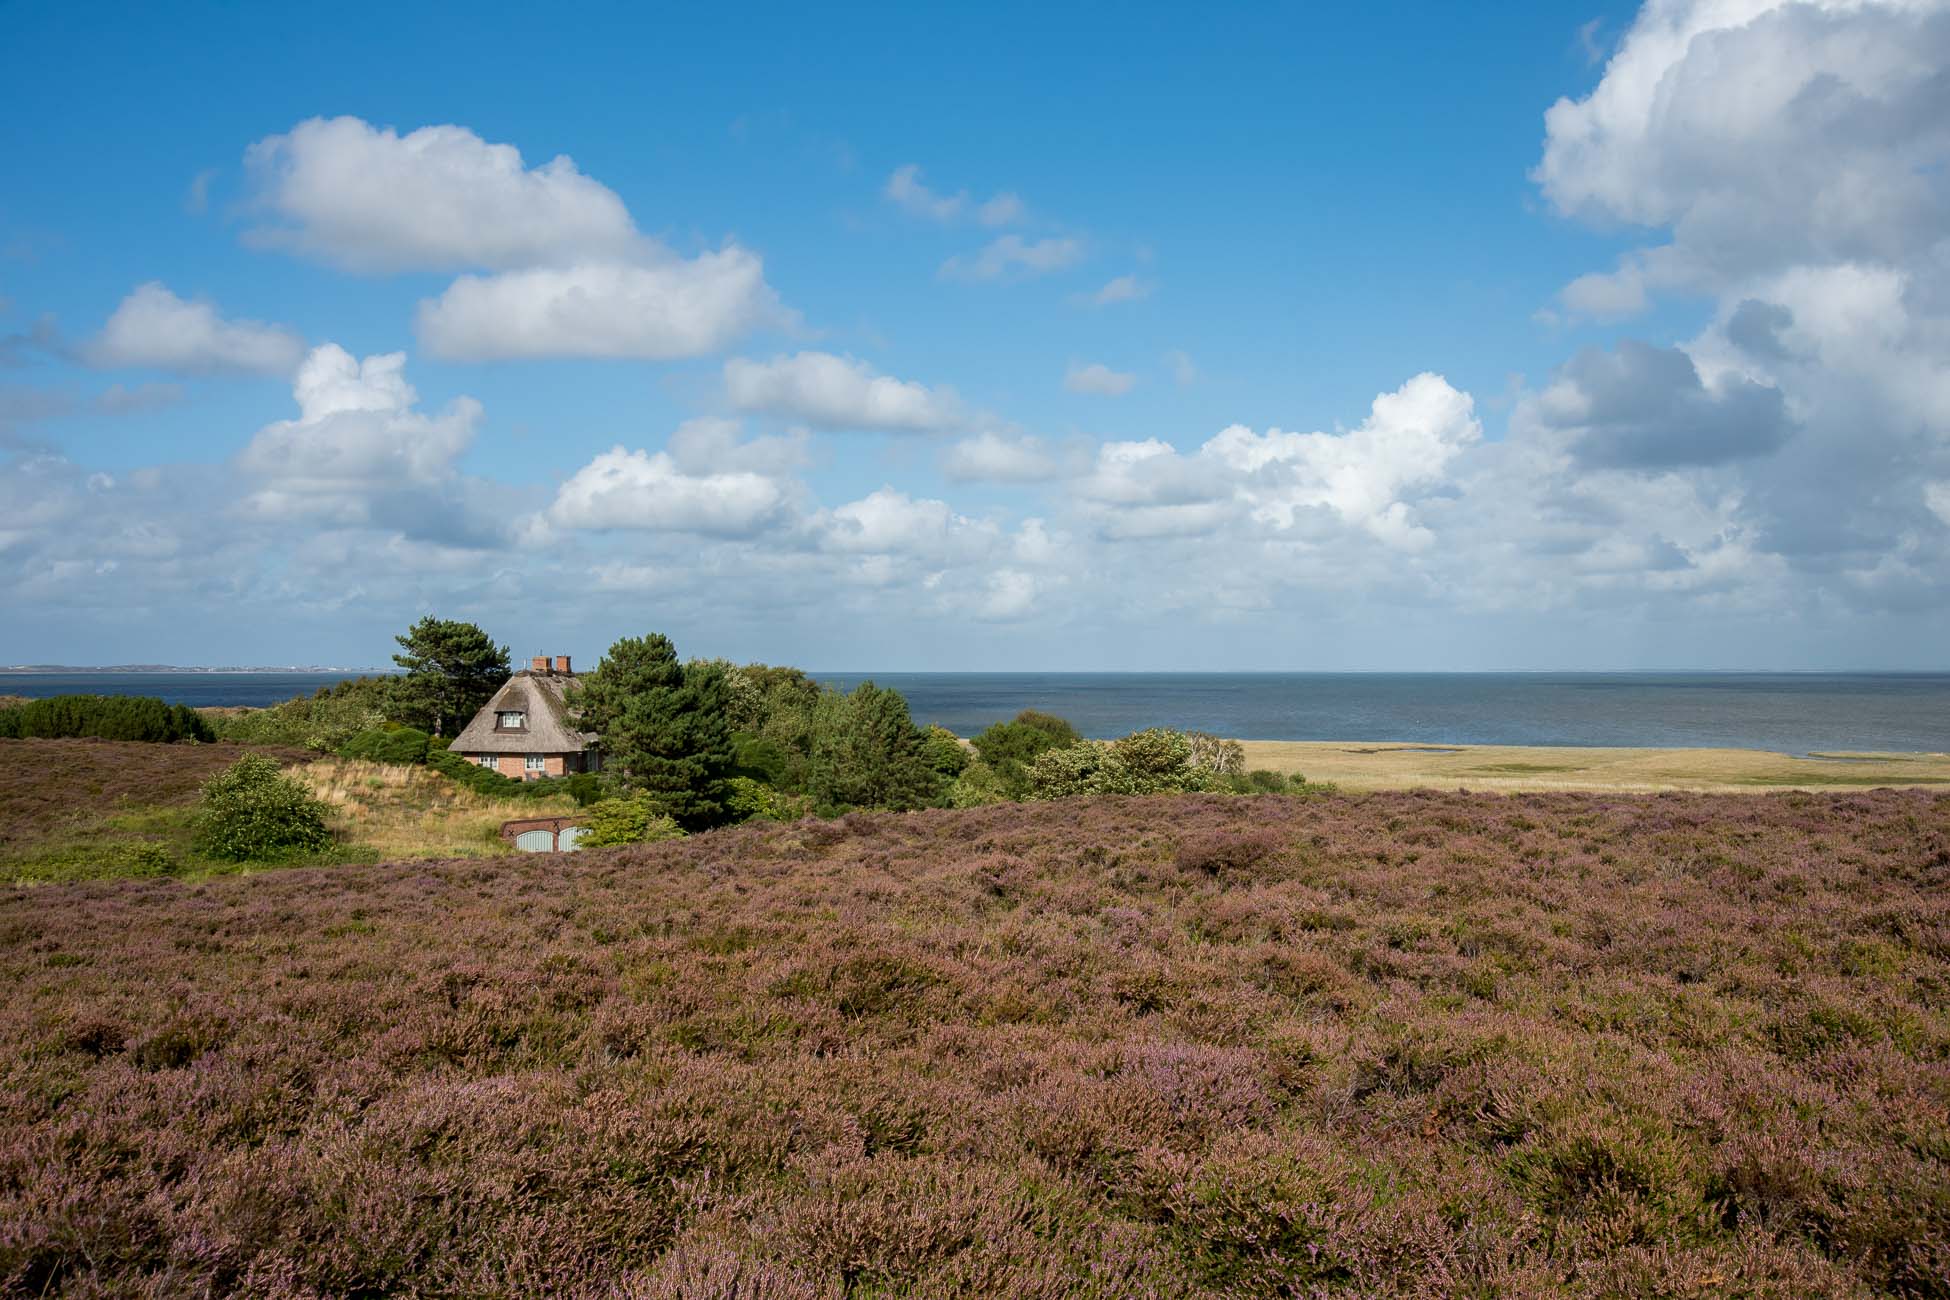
562,664
539,664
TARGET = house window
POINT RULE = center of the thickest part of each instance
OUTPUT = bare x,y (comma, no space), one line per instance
534,763
510,720
485,760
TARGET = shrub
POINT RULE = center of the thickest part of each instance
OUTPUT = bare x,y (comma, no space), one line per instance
107,717
325,720
942,750
638,819
1216,754
1156,761
977,785
1265,781
584,787
751,800
1009,747
400,746
252,811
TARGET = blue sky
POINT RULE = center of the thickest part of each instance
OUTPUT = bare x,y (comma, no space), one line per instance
1020,337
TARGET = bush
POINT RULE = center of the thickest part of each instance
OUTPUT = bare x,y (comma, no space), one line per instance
107,717
1010,747
760,758
325,720
1266,781
978,785
1156,761
943,750
584,787
635,820
252,811
751,800
401,746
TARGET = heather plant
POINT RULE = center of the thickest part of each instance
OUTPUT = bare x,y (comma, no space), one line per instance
252,811
1405,1044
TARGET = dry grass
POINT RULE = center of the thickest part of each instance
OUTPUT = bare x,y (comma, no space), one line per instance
414,812
1380,766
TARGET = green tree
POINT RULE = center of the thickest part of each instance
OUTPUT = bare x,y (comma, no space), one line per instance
452,669
665,727
867,752
1010,747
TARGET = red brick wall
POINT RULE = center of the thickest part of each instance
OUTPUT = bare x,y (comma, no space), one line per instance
515,766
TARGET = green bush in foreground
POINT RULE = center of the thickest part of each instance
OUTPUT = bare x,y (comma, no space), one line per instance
252,811
636,820
106,717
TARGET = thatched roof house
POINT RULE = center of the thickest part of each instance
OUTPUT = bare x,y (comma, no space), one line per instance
525,731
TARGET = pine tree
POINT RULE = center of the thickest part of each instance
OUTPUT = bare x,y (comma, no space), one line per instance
452,669
867,752
665,727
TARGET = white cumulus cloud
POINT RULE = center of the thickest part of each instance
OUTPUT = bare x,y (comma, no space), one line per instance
661,311
153,329
833,392
440,198
991,457
358,445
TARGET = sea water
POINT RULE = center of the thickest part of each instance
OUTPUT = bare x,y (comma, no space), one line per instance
1794,713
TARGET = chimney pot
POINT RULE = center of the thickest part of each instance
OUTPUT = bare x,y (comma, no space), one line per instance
539,664
562,663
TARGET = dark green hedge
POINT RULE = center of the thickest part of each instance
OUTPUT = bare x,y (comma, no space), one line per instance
109,717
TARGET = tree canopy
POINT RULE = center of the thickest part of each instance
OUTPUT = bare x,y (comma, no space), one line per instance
452,669
665,727
867,752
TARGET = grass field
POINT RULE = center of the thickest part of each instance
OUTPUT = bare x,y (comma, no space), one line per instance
1412,1043
1369,766
96,809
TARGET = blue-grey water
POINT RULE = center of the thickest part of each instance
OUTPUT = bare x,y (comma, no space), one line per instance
1793,713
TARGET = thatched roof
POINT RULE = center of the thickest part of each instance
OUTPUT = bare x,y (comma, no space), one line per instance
543,698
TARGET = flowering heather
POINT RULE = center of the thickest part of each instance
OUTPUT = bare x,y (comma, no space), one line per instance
1394,1044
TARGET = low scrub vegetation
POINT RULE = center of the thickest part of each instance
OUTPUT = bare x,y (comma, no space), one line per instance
252,812
104,717
1395,1044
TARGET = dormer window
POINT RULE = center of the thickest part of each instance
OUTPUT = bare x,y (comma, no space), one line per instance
510,720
